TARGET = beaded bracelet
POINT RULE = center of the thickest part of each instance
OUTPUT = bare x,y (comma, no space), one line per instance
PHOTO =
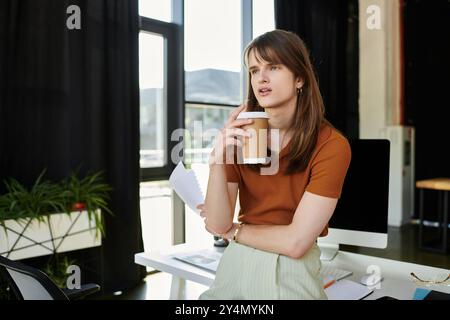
237,231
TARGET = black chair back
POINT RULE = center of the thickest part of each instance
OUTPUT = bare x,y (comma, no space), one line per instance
28,283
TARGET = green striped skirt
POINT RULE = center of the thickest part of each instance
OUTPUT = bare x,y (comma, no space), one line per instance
245,273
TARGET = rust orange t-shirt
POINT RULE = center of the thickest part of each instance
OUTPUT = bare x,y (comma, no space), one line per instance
273,199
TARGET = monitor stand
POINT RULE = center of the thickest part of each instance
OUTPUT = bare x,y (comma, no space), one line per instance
328,251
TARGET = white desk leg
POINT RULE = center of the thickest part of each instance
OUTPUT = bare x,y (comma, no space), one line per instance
178,288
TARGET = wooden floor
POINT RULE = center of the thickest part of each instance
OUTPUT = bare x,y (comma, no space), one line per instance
402,246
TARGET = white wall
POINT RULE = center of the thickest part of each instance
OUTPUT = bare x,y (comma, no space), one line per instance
379,100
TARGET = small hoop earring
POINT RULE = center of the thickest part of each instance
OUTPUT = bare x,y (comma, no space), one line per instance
300,90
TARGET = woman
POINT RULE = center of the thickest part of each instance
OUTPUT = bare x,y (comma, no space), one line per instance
273,252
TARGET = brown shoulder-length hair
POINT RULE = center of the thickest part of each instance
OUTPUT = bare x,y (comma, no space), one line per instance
286,48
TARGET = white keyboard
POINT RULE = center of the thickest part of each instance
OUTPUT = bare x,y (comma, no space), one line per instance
336,273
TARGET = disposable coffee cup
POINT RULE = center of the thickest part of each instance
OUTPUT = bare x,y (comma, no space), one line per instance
254,149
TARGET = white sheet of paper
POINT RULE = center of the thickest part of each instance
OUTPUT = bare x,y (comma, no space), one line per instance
206,258
347,290
187,187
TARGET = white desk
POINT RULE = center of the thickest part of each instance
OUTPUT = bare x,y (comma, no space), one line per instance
397,281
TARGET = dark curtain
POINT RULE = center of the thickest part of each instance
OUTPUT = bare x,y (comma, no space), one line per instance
70,99
330,31
427,52
427,69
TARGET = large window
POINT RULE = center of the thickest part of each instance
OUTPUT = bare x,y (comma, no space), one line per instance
212,33
213,62
160,75
155,196
215,32
214,43
153,100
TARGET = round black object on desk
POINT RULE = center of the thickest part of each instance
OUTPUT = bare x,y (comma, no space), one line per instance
220,242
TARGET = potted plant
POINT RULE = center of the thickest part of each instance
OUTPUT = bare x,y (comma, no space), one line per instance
52,217
89,194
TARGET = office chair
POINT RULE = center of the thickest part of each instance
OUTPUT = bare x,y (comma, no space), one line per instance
28,283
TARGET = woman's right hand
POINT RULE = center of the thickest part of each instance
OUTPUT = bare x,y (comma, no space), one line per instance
230,136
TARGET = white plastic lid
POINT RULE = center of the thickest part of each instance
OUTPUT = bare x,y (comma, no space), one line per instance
253,115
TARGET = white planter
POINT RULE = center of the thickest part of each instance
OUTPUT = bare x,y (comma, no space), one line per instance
58,233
